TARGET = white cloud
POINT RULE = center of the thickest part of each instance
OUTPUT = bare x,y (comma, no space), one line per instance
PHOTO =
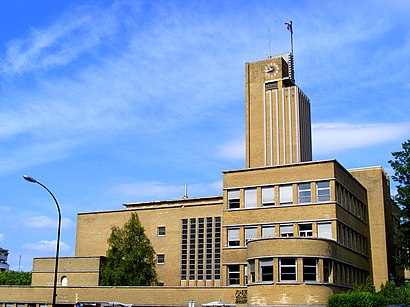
5,208
336,137
46,222
46,246
233,150
141,191
2,237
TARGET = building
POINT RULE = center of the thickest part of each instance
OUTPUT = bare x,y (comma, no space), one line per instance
3,259
285,231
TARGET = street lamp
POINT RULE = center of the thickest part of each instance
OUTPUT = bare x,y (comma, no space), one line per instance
31,179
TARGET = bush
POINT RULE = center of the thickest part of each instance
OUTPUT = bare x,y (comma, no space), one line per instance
357,299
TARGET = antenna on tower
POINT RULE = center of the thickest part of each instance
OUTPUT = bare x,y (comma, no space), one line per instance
291,62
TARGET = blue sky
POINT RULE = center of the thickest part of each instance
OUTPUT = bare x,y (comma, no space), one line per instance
108,102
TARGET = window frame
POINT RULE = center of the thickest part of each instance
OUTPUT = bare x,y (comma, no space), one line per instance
286,234
250,198
160,258
319,190
236,275
234,199
307,232
161,231
251,230
268,226
285,266
229,236
307,269
304,188
268,196
286,194
266,270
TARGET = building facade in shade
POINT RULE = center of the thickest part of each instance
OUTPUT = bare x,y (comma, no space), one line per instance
3,259
285,231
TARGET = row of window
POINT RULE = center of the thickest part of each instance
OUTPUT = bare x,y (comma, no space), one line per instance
240,235
352,239
285,269
282,194
201,248
351,203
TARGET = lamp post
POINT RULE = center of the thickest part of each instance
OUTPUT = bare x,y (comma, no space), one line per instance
31,179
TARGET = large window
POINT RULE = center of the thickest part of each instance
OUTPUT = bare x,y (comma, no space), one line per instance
323,191
304,193
252,271
309,269
286,195
324,230
233,237
234,199
250,233
268,231
288,269
286,230
327,268
250,198
305,230
268,196
234,274
266,270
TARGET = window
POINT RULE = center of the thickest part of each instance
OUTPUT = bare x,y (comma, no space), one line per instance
268,196
287,267
250,198
305,230
233,237
160,259
304,193
268,231
285,194
252,271
266,269
184,249
233,275
234,199
327,268
324,230
64,281
250,233
323,191
309,269
286,230
161,231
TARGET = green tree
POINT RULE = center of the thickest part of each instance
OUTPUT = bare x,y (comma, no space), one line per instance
130,257
401,167
15,278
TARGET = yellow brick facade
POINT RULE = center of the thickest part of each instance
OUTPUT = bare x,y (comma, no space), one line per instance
284,231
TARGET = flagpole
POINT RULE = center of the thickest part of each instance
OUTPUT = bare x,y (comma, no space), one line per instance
291,37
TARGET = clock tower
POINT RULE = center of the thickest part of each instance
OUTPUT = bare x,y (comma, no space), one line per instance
278,126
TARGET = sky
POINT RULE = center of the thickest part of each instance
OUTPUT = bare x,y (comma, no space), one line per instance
110,102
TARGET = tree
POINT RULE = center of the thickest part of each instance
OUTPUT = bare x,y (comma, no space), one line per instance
15,278
130,257
401,167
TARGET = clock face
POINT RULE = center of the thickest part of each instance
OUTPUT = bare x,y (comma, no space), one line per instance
272,69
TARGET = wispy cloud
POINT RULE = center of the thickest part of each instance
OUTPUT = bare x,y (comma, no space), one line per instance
233,150
142,191
46,222
78,32
46,246
2,237
336,137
